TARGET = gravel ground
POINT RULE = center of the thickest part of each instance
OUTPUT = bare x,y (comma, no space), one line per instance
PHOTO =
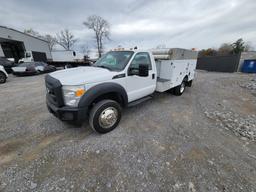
251,84
201,141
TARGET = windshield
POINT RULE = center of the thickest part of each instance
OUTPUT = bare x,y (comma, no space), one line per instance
114,60
27,55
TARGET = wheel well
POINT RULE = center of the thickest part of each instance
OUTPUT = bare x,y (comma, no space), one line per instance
112,95
3,73
188,83
186,78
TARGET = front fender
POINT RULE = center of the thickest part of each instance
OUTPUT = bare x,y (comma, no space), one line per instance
3,70
102,89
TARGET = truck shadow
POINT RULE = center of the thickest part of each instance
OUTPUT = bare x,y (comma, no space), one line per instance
85,130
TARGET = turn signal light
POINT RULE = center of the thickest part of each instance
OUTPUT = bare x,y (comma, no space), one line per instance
79,92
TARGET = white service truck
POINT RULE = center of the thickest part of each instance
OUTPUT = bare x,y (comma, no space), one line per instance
116,80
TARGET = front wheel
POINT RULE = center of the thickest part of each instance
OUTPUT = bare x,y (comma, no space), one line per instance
2,78
105,116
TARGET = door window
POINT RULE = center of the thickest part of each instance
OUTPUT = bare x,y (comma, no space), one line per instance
140,58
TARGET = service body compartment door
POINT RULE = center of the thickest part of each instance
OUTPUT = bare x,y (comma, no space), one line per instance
176,70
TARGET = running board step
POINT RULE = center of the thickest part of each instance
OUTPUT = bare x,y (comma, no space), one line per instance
134,103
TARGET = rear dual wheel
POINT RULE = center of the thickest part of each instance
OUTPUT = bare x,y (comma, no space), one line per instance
179,90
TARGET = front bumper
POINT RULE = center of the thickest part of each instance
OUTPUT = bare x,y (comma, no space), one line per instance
66,113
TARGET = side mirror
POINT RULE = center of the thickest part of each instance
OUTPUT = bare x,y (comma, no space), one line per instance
143,70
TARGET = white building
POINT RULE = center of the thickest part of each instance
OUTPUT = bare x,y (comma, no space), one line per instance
14,43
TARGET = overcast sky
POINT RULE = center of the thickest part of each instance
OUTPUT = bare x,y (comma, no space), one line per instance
143,23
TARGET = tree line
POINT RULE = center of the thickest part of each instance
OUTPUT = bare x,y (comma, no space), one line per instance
227,49
66,39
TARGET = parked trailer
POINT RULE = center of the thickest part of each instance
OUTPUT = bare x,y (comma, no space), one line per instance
118,79
68,59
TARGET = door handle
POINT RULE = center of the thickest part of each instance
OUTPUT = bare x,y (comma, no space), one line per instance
153,76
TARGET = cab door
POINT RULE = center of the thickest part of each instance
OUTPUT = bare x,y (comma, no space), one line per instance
138,86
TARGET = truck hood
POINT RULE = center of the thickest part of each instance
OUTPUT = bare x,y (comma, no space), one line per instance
82,75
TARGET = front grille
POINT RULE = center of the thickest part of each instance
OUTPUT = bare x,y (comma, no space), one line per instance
54,91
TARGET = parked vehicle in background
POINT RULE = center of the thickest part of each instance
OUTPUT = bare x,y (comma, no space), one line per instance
32,68
116,80
63,59
33,56
68,59
67,56
7,64
3,75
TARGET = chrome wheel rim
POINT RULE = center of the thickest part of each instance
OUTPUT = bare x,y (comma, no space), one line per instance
108,117
182,87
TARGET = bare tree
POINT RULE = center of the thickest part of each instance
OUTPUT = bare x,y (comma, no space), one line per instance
66,39
85,50
51,40
32,32
101,28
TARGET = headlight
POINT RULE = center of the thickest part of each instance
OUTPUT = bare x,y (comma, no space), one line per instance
72,94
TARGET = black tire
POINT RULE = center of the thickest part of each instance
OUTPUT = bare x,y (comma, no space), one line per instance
179,90
98,111
2,78
189,83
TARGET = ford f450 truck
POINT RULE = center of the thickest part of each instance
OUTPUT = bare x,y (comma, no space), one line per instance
117,79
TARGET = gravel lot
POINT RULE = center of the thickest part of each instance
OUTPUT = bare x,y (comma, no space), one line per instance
201,141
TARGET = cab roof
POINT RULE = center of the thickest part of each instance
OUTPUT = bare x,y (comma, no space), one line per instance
130,49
